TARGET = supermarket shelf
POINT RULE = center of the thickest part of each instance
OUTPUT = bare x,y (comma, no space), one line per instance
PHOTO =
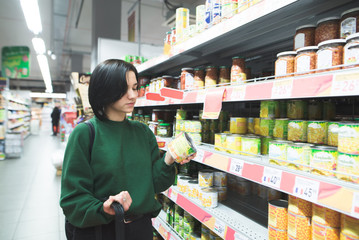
260,29
19,109
20,116
18,101
328,192
330,84
166,231
16,125
224,221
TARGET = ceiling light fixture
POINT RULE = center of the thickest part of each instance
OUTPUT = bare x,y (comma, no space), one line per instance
45,71
47,95
39,45
31,12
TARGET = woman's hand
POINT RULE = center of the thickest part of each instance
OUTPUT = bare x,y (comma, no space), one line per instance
170,160
123,198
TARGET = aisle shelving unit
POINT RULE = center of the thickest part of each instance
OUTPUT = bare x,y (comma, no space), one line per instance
260,31
163,228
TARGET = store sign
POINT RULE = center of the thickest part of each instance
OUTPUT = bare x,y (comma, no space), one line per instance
131,20
15,62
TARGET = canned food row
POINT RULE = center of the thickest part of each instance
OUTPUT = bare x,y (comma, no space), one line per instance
300,219
321,160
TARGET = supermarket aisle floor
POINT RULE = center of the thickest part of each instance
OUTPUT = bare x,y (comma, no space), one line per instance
29,192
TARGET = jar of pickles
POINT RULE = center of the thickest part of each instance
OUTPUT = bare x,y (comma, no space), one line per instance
224,75
327,29
304,36
187,78
305,60
238,75
330,54
211,78
351,50
164,130
284,64
198,78
349,22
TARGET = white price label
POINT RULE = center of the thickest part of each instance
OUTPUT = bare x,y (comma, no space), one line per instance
306,189
201,96
355,205
236,166
172,237
174,195
200,156
282,89
220,228
240,236
238,93
156,223
272,177
345,84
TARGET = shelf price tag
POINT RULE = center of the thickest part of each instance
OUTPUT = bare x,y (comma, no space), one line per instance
172,237
238,93
282,89
355,205
173,195
201,96
239,236
156,224
345,84
306,189
220,228
200,156
272,177
236,166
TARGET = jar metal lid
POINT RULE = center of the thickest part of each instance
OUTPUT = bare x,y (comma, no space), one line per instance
305,26
237,57
167,76
198,69
286,53
223,67
187,69
351,36
309,48
339,41
211,67
350,11
164,124
328,19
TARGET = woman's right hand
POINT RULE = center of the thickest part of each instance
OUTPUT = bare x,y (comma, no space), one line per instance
123,198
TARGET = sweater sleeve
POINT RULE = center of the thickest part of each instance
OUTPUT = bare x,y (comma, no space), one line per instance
77,200
163,175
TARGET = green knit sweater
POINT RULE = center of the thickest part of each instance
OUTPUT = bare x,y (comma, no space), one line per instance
125,157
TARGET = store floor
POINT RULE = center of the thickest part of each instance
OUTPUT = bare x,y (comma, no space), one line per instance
29,192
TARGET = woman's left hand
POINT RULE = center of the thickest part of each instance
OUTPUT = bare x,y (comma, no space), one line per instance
170,160
188,159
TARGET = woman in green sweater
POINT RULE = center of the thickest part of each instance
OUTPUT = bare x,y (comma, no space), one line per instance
124,164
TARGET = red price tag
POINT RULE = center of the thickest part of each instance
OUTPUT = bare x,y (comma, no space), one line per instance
345,84
282,88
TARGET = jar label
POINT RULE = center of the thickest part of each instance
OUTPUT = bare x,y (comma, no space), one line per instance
189,83
351,55
281,68
303,64
299,40
348,26
162,131
324,59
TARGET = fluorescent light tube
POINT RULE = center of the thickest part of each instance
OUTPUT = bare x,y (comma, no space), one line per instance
45,71
47,95
39,45
31,12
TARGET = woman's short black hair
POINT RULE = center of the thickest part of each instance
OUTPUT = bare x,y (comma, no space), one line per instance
108,83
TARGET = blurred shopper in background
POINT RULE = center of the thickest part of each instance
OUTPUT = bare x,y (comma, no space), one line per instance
55,116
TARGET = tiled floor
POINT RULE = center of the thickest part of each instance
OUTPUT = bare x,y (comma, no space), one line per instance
29,192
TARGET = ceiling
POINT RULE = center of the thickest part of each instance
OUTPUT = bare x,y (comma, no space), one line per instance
67,34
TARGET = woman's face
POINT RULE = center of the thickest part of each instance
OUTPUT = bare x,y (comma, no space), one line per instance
125,104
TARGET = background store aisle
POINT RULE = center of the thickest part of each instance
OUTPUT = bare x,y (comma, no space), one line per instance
30,190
